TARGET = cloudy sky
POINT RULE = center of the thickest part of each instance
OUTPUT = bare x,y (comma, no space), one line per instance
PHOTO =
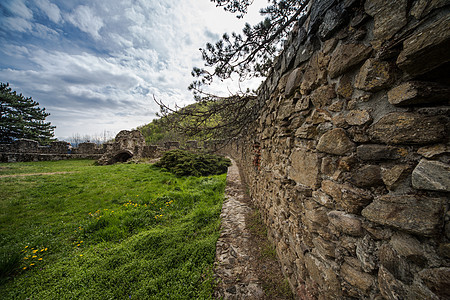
95,65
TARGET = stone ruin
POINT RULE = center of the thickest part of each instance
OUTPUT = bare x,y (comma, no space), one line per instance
127,145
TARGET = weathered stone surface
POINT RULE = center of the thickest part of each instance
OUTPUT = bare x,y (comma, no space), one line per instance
367,251
325,248
345,223
317,11
390,287
395,264
434,150
358,117
293,82
423,7
393,176
315,213
337,106
418,92
323,199
427,48
345,86
431,175
347,56
351,199
408,128
411,213
360,280
322,96
302,103
334,18
377,152
335,142
409,248
321,273
374,75
305,51
437,281
389,16
367,176
305,167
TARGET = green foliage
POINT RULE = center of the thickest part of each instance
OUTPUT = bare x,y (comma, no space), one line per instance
112,232
21,117
185,163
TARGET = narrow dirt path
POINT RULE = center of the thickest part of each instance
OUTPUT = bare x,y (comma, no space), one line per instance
35,174
238,264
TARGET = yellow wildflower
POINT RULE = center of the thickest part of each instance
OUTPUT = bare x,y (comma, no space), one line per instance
34,251
40,258
34,256
31,264
45,249
81,254
26,247
25,258
24,268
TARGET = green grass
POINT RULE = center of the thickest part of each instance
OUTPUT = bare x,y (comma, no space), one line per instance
107,232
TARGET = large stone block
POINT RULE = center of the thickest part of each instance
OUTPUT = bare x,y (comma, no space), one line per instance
390,287
293,81
431,175
346,223
389,16
322,96
427,48
408,128
349,198
377,152
361,280
418,92
304,167
374,75
335,142
347,56
437,280
322,274
411,213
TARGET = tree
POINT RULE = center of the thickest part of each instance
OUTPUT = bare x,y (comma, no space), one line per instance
247,55
21,117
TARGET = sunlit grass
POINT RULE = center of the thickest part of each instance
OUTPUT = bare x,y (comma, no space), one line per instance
106,232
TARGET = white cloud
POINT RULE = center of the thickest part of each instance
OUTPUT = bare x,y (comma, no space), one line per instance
19,8
16,24
141,48
85,19
51,10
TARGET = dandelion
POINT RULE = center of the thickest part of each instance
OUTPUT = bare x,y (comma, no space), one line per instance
31,264
81,254
26,247
40,258
34,251
45,249
24,268
78,245
34,256
81,242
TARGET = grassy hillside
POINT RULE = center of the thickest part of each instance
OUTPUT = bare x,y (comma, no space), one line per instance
126,231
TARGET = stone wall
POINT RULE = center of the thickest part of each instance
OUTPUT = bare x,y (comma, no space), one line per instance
349,160
23,150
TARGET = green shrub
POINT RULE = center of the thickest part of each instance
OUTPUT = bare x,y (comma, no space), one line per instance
185,163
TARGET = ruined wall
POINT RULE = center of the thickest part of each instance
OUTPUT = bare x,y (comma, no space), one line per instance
24,150
349,160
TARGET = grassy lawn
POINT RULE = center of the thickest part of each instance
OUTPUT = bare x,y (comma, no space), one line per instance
126,231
